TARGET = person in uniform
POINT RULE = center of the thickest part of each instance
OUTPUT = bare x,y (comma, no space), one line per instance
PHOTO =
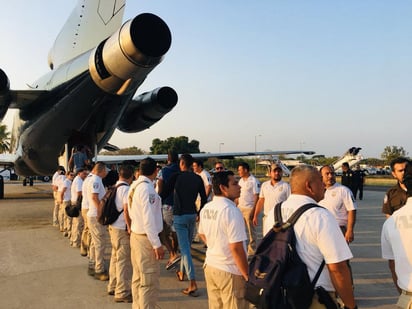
76,195
272,192
318,237
99,235
146,249
86,247
120,271
396,244
358,182
396,196
64,191
249,195
340,202
347,176
222,228
58,177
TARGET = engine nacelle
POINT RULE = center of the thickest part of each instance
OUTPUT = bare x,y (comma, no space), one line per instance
147,109
121,63
5,96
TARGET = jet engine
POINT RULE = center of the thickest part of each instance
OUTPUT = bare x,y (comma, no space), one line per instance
147,109
5,96
121,63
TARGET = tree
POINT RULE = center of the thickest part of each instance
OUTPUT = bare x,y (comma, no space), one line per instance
392,152
4,139
179,144
125,151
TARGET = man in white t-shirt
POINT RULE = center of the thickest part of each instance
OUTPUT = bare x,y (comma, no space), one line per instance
222,229
318,236
249,194
64,192
396,242
120,272
76,194
339,201
272,192
95,192
58,176
207,181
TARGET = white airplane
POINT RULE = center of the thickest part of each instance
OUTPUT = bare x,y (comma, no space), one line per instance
97,64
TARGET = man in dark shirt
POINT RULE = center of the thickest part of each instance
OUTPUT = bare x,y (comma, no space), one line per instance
187,185
347,176
396,196
358,180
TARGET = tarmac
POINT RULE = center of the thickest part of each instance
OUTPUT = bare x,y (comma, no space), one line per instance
38,268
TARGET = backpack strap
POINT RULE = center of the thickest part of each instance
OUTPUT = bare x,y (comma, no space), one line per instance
292,220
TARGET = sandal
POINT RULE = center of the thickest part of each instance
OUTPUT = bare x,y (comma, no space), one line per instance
180,276
192,293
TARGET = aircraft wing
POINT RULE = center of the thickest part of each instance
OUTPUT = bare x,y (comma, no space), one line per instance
205,155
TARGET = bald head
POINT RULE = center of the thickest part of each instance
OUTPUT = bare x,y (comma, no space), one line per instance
306,180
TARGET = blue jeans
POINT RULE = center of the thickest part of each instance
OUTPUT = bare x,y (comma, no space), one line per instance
184,226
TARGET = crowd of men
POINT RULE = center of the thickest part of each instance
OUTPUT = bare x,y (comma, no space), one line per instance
181,203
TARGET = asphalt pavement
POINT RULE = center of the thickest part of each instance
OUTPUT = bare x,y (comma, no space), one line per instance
38,268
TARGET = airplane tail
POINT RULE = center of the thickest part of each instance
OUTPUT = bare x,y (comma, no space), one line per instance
90,22
351,156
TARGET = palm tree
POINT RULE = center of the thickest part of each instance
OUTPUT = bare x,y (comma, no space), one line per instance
4,139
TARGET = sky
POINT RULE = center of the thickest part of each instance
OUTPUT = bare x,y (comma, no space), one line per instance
261,75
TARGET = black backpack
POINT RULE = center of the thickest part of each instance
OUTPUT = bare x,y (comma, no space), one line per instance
277,276
109,212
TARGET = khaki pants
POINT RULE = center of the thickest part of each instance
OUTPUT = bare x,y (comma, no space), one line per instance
250,229
65,221
55,210
146,273
99,242
85,238
120,272
317,305
405,301
77,228
225,290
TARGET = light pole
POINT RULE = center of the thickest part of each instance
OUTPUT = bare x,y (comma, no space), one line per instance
256,136
220,147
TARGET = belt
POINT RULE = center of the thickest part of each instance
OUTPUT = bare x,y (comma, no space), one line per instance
406,292
139,234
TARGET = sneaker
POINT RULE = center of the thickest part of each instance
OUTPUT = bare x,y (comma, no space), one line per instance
110,293
127,299
101,276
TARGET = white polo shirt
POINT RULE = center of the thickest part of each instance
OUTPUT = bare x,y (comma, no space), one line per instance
94,185
222,224
76,188
318,237
273,194
122,193
249,188
396,240
339,200
146,211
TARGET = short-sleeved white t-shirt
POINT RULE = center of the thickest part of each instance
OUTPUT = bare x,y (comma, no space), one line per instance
121,200
318,237
339,200
94,185
222,224
249,188
396,240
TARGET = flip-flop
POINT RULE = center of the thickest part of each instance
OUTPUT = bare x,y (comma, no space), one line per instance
193,293
171,264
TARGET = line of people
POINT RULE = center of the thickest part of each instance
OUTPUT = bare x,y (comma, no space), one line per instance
168,217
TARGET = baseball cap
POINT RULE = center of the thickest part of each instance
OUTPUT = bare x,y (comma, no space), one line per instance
274,166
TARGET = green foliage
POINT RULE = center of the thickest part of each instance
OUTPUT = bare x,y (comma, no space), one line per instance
392,152
4,139
179,144
125,151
